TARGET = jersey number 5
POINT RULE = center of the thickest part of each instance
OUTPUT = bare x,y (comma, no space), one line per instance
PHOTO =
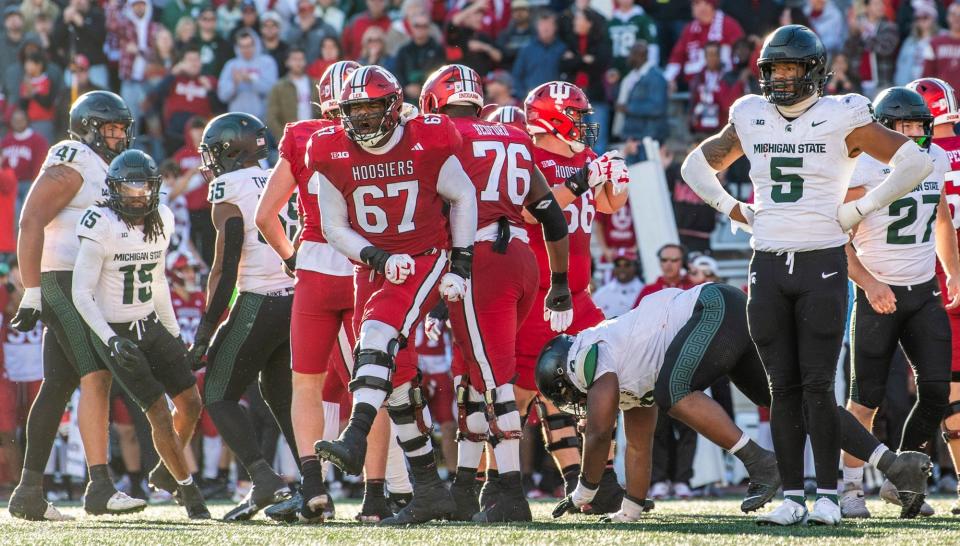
789,187
144,276
366,213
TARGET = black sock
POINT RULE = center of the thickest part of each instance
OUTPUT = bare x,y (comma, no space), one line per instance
571,476
135,477
423,470
750,453
261,472
373,489
223,473
493,474
362,418
99,473
465,476
885,461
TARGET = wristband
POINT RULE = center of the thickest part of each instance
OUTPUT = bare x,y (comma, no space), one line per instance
559,279
291,262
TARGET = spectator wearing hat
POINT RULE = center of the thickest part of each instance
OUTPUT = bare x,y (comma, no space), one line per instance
249,20
687,59
214,49
353,34
539,61
641,107
912,50
618,296
246,79
585,63
185,93
498,88
468,43
871,46
418,58
271,29
135,33
518,33
293,96
828,22
704,269
308,31
174,10
33,8
81,29
24,151
13,38
942,59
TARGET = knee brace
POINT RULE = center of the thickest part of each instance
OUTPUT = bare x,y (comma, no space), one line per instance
557,422
505,423
409,412
467,409
373,357
953,408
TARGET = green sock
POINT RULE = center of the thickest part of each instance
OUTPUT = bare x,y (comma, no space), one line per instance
828,495
796,496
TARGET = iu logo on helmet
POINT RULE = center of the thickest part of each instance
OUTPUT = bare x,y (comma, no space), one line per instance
559,91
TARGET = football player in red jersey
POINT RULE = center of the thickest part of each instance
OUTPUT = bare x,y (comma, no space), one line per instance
382,184
941,100
583,185
508,115
502,289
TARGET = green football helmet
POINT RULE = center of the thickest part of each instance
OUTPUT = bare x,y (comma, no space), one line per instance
90,112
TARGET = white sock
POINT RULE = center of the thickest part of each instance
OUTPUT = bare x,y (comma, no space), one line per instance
507,452
188,481
397,477
212,448
853,474
744,439
877,453
331,420
374,397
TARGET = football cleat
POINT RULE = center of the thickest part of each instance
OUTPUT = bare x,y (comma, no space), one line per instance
286,511
609,495
825,512
764,483
889,493
398,501
511,505
347,452
852,502
257,499
908,474
192,500
117,504
788,513
489,492
374,510
28,503
465,498
660,490
429,503
161,479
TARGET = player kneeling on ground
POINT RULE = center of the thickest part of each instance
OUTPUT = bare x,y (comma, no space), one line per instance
664,353
122,294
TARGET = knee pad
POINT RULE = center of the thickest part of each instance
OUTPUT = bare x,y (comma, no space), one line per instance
503,415
471,416
378,335
372,357
552,423
953,408
406,406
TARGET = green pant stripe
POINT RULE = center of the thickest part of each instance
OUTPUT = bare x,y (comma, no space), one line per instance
220,370
695,346
854,387
78,333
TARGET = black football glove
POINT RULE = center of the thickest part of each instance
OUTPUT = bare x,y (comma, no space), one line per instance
290,264
29,312
558,305
201,342
565,506
126,353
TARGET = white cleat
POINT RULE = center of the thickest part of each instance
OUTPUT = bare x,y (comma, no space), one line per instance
122,503
660,490
682,491
788,513
888,492
825,512
52,514
852,503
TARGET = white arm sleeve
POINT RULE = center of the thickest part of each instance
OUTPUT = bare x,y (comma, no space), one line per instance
335,221
86,275
163,306
702,178
455,187
911,166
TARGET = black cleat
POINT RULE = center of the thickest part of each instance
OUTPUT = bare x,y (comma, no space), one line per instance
609,495
28,503
465,495
102,498
161,479
764,483
347,452
315,508
286,511
511,505
429,503
489,492
398,501
192,500
259,497
215,489
909,474
374,510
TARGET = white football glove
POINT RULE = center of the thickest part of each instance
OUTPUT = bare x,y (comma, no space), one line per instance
849,215
398,268
629,511
607,168
453,287
433,328
620,177
749,214
559,320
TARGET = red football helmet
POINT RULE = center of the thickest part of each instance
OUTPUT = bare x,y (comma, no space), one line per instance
558,108
939,97
508,115
370,105
451,84
331,85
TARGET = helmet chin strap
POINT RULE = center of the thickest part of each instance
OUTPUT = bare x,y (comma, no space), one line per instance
795,110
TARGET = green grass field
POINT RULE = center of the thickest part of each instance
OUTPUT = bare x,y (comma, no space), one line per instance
713,522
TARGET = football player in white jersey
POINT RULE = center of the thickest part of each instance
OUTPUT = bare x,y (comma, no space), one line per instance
802,148
121,291
664,354
71,179
254,341
892,260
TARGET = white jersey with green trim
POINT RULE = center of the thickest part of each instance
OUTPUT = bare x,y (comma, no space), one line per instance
799,168
633,345
60,244
897,243
124,291
261,269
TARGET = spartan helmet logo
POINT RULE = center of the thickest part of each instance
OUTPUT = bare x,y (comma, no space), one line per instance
559,92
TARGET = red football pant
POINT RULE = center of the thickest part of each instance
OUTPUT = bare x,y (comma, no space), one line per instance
321,305
503,289
438,388
401,306
15,402
535,333
954,316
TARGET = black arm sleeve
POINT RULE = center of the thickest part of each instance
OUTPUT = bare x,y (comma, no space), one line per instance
548,212
232,248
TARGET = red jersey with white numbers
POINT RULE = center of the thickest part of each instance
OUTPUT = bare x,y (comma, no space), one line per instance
189,311
951,190
293,148
618,229
392,198
498,159
580,215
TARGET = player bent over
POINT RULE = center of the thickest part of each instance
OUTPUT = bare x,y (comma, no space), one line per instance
502,289
382,184
664,353
121,291
892,260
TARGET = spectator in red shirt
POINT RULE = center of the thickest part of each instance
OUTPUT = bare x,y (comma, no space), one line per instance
709,25
672,258
872,47
711,95
467,41
8,213
23,150
183,94
38,92
616,232
942,59
202,232
330,53
374,16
